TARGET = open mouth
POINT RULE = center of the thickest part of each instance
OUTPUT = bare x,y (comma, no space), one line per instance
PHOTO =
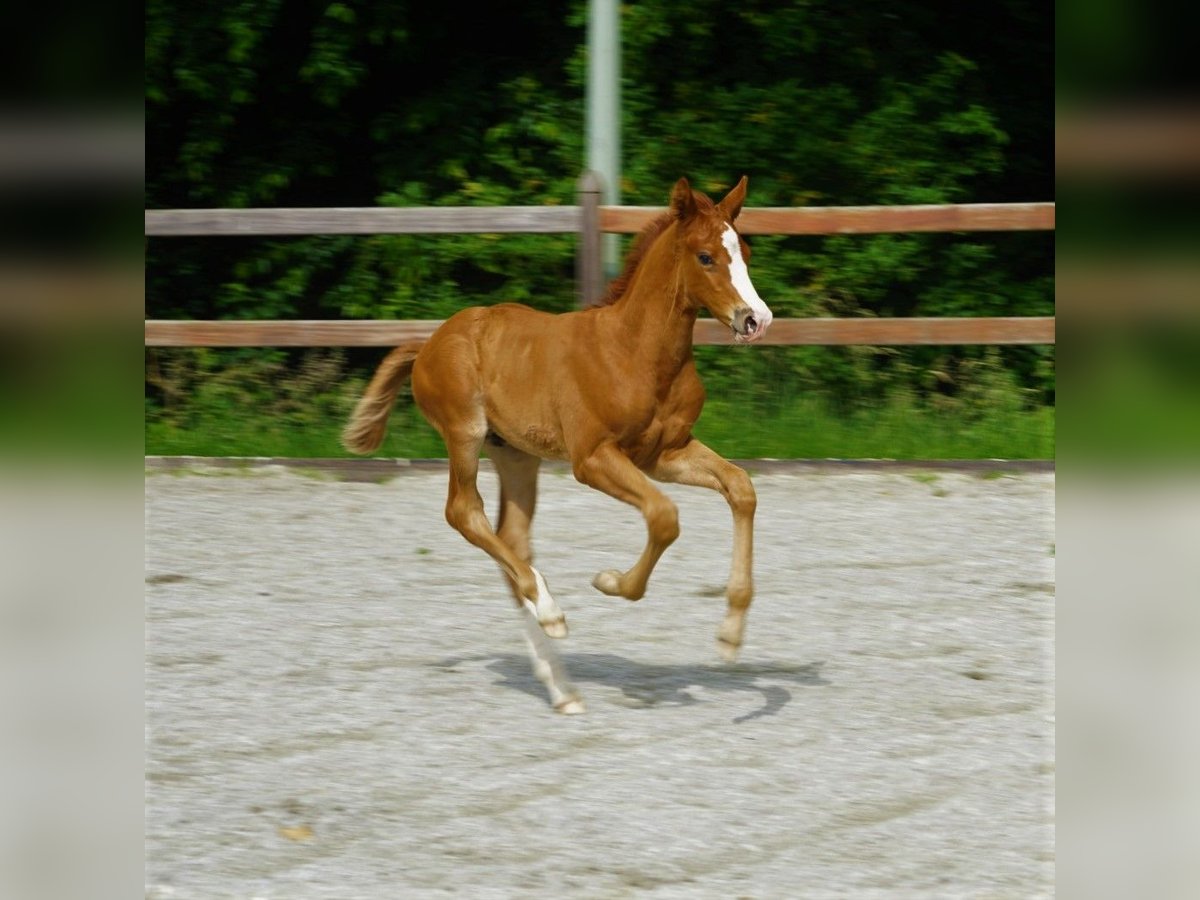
748,329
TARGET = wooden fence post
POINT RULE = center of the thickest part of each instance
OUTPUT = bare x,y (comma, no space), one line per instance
589,261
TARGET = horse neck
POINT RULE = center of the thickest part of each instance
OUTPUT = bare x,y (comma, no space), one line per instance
654,313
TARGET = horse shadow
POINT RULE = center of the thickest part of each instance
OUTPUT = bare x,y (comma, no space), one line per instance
646,685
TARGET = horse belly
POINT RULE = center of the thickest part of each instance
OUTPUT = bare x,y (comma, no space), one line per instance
521,413
514,347
528,434
541,441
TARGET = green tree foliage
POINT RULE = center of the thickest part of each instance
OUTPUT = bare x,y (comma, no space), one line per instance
348,103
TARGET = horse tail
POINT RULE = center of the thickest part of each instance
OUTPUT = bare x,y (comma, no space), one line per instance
367,426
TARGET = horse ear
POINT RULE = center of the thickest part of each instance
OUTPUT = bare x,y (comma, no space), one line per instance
732,204
683,204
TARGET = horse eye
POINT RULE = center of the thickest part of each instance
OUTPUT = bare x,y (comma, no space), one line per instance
705,259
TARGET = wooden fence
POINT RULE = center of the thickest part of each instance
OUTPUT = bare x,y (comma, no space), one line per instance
589,220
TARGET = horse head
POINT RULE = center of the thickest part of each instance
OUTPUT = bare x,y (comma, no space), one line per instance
712,260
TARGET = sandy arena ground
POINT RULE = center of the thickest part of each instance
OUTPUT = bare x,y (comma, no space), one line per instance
339,702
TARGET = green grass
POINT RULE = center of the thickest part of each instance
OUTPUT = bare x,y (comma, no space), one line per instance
244,403
251,433
898,429
802,429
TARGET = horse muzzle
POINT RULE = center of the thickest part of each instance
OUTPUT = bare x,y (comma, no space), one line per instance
749,325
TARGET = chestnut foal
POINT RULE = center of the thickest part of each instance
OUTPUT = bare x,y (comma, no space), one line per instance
613,389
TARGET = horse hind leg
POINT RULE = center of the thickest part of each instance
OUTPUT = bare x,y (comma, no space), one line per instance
548,666
464,511
518,473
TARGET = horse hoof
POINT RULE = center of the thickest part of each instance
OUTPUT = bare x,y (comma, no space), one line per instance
608,582
555,629
572,706
729,637
729,652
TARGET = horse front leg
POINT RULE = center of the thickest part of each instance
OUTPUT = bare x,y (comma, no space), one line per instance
696,464
608,470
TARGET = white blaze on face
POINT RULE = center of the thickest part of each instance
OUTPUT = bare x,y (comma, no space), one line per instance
740,276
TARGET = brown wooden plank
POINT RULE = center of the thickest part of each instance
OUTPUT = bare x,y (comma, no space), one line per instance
365,220
892,332
859,219
369,333
375,333
613,219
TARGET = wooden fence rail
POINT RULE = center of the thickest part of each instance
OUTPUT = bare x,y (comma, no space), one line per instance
589,220
363,220
568,220
382,333
861,219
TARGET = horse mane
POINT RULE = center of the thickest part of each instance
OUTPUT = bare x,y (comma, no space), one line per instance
641,245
